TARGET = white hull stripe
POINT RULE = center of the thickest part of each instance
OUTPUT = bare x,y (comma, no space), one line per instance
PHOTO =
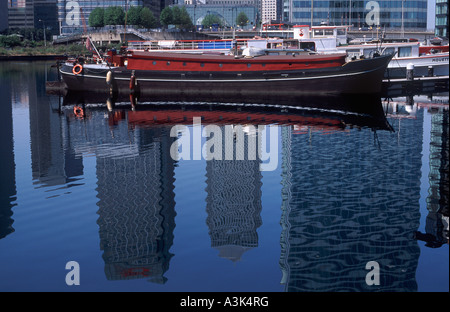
231,80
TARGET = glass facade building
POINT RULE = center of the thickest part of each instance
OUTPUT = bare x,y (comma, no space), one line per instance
33,14
71,13
20,14
226,13
388,14
441,26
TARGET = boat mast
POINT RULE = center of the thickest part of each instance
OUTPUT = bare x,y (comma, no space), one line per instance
350,14
403,28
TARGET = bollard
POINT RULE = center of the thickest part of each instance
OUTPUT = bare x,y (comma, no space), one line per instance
430,71
410,72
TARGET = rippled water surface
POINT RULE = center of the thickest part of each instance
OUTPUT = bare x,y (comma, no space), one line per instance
106,189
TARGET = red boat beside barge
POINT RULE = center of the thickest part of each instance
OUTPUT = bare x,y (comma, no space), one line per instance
294,73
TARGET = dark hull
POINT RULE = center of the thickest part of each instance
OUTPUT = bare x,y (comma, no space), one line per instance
358,77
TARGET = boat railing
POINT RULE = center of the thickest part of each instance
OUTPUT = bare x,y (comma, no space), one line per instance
225,44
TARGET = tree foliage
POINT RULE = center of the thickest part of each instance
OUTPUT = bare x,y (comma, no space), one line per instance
166,17
10,41
211,19
147,19
242,19
114,15
185,21
133,16
22,36
96,18
177,16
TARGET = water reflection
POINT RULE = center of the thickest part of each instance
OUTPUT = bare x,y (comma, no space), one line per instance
368,211
234,197
7,165
137,206
350,194
437,221
135,173
53,160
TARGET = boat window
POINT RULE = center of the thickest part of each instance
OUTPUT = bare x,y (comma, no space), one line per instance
388,51
318,32
154,62
353,52
369,52
307,45
404,51
341,32
168,63
249,65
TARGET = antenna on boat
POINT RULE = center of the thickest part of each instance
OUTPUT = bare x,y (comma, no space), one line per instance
383,34
93,45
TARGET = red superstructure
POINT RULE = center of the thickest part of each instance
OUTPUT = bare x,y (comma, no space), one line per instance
220,63
432,49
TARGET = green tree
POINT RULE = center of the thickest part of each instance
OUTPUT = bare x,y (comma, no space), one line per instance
114,15
147,19
166,17
242,19
96,18
133,16
176,14
10,41
185,20
211,19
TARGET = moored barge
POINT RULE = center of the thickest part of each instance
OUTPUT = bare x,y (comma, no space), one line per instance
294,73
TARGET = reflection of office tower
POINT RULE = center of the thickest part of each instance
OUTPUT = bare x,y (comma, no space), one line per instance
437,202
233,203
346,203
52,162
286,133
7,165
136,207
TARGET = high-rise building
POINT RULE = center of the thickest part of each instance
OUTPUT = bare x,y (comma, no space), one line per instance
268,10
388,14
3,15
20,14
441,26
45,14
33,14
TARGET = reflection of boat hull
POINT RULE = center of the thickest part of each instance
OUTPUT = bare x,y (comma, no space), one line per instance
357,77
332,113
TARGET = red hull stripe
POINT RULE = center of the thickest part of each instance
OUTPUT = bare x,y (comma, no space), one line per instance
172,117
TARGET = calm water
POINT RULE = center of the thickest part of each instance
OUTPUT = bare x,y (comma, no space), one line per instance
104,190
